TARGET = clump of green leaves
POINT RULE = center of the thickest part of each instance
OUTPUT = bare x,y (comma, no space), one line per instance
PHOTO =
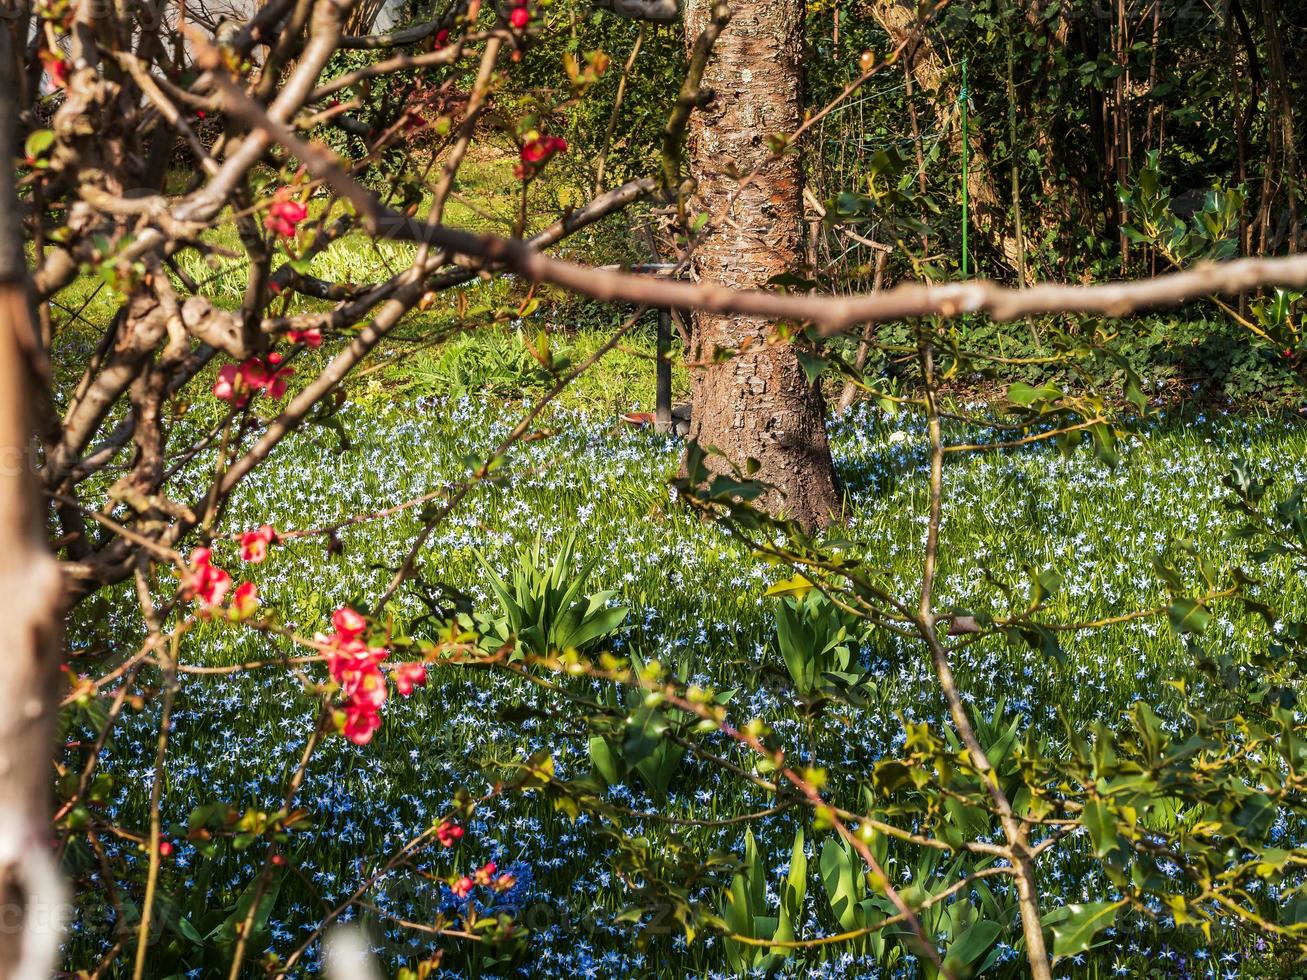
818,642
543,606
641,746
747,913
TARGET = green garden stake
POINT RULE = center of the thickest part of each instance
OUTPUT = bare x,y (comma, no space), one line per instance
963,97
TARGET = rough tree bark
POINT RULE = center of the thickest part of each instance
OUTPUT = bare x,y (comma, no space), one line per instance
31,897
758,403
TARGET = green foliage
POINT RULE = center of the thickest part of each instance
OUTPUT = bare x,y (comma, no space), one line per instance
968,927
484,361
1075,926
1147,802
640,746
1211,233
746,911
1012,510
576,33
543,608
818,642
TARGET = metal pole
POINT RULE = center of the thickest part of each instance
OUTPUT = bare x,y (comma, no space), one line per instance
663,378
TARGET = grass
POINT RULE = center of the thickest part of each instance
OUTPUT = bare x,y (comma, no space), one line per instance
696,602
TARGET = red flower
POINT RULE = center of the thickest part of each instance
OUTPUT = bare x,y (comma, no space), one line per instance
356,667
442,37
309,338
254,544
360,723
463,887
208,583
350,658
447,833
244,601
363,686
277,383
485,873
284,215
409,676
504,882
541,148
254,373
228,387
519,18
537,151
238,383
348,622
165,848
56,66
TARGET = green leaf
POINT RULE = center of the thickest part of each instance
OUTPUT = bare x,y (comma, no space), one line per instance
1255,817
971,945
812,365
604,760
1098,820
1082,923
1025,396
189,931
840,880
645,732
38,142
1134,394
797,586
1044,582
1189,616
795,889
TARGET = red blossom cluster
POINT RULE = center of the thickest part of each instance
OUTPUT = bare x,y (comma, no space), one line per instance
485,877
356,668
238,383
408,676
520,16
448,833
210,584
311,337
284,215
254,544
536,152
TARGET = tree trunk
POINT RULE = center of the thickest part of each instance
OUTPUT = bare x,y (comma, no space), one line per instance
31,896
756,404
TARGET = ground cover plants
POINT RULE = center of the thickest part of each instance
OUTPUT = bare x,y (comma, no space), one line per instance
697,601
363,618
